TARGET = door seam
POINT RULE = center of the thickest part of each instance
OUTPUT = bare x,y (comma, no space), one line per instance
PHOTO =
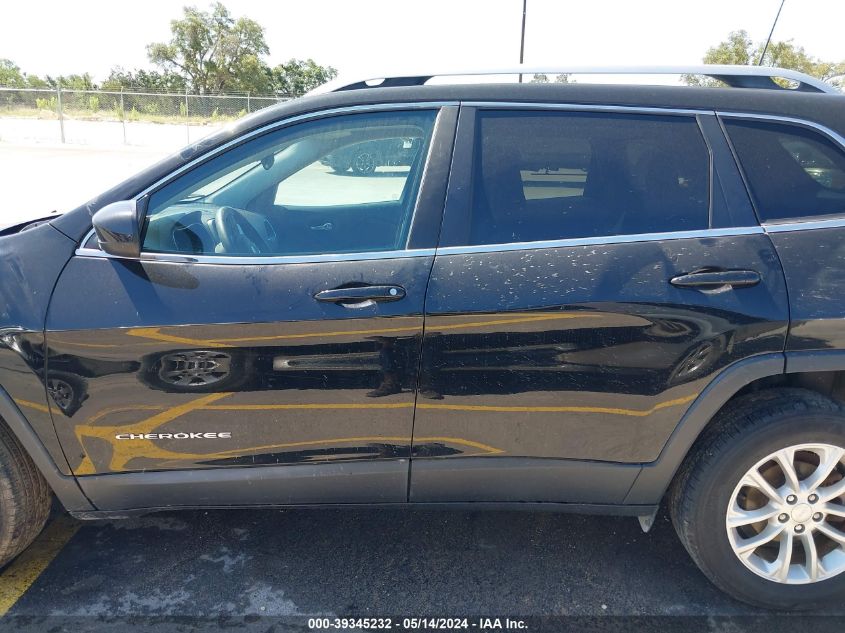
425,305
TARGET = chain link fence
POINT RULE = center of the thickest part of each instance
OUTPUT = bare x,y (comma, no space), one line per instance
101,117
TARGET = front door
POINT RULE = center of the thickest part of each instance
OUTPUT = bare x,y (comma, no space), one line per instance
264,349
593,277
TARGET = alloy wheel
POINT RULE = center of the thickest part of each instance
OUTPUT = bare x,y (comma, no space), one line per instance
786,517
365,163
194,369
61,392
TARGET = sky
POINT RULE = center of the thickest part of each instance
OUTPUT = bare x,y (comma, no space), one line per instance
360,37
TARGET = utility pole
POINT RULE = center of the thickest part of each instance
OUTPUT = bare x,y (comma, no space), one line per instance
60,110
522,38
768,41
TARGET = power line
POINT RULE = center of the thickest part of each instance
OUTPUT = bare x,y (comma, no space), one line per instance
768,41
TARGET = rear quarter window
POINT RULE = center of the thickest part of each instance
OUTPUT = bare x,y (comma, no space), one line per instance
793,172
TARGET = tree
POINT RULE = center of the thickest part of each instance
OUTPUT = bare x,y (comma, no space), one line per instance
212,50
11,75
72,82
209,52
297,76
740,49
34,81
255,77
143,81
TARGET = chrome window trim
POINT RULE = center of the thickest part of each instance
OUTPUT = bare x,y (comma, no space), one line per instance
788,225
180,258
84,241
818,127
281,123
429,252
585,107
778,227
601,241
803,225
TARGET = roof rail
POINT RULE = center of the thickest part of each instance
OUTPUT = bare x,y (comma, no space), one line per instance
734,76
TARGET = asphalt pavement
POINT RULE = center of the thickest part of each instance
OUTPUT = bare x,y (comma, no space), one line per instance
400,563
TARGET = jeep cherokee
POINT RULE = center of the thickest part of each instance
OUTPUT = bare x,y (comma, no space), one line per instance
594,298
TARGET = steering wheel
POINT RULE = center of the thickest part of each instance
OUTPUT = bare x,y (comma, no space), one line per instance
236,234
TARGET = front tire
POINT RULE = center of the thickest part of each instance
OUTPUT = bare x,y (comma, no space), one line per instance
760,502
339,168
198,371
25,497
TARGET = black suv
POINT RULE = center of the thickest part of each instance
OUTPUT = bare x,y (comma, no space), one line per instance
581,297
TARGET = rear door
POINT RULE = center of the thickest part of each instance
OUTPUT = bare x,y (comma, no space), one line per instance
269,335
796,173
597,268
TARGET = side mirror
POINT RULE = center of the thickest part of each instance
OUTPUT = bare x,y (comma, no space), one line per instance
118,228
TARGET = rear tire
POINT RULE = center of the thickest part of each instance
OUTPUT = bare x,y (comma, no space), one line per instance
745,433
25,497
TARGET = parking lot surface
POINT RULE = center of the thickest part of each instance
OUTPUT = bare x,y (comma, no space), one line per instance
40,179
373,562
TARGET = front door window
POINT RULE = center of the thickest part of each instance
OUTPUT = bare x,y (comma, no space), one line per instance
344,184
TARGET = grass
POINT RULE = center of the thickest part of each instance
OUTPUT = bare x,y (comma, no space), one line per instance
110,115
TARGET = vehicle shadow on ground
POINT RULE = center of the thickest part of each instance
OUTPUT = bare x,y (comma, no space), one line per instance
373,562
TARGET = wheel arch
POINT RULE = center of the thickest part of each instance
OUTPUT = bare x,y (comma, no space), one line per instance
63,486
654,478
820,371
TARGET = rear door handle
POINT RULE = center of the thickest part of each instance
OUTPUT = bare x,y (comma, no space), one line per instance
361,296
715,279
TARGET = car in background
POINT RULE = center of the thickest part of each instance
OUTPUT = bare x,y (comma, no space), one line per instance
364,158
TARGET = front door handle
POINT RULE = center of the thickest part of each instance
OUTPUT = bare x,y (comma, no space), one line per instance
361,296
717,279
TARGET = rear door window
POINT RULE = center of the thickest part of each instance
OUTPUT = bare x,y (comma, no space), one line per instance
792,172
559,175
